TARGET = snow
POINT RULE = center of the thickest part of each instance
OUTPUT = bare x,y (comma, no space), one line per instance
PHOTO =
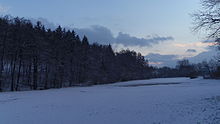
156,101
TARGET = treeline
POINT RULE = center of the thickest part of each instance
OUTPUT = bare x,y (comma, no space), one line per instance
32,57
184,68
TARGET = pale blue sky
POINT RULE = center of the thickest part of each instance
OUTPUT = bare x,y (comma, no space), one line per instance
138,18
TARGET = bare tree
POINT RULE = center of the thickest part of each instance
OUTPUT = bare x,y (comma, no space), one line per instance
208,18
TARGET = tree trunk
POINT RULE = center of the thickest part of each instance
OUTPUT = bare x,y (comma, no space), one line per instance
35,73
46,78
29,75
13,65
2,61
18,76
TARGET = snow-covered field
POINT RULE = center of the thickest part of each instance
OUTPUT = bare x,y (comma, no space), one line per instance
156,101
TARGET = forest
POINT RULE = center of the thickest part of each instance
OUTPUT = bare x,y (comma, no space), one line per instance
35,58
32,57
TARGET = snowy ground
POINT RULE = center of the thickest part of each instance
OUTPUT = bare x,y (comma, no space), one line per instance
157,101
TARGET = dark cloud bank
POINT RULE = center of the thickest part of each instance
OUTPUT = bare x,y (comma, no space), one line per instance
191,51
104,35
171,60
163,60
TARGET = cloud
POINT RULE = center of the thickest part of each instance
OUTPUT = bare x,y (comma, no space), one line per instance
45,22
191,51
104,35
204,56
170,60
159,60
195,44
208,41
97,34
128,40
4,9
155,63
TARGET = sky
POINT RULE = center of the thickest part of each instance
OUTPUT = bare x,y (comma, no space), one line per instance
147,26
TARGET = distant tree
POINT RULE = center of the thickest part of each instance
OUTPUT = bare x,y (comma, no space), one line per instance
186,69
